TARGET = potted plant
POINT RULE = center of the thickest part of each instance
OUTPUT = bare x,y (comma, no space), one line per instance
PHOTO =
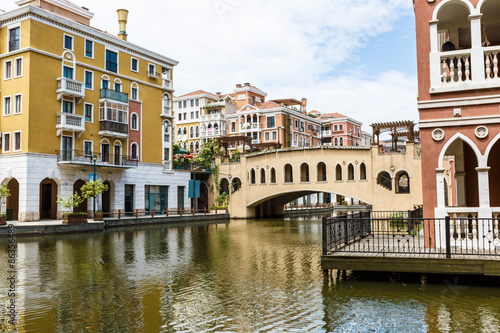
93,189
72,202
4,193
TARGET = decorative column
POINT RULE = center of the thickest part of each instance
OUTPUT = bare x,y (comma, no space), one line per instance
477,53
440,211
435,56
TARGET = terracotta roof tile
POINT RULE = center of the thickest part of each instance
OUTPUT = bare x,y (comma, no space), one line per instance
198,92
269,105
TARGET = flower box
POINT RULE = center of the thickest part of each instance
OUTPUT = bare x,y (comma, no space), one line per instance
72,219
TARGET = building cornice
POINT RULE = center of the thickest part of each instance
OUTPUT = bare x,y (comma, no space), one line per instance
65,5
469,121
59,22
251,89
458,102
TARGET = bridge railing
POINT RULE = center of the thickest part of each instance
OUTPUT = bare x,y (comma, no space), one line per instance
409,233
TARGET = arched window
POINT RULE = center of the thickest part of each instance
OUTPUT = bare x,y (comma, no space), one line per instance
252,176
134,122
236,184
197,146
184,131
336,142
179,131
134,151
105,82
68,65
134,91
338,173
167,104
197,131
288,173
191,132
262,176
304,173
191,146
402,182
321,172
341,141
362,171
384,179
350,172
273,176
117,85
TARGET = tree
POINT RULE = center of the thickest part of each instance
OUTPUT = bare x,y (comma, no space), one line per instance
93,189
4,194
72,202
207,153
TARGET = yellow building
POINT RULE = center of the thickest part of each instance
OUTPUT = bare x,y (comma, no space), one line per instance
71,96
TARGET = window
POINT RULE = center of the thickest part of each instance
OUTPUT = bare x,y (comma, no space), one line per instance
296,124
341,128
17,141
68,72
184,104
111,61
266,136
184,131
89,112
179,131
104,84
134,93
197,102
180,105
68,42
308,127
6,142
335,127
275,136
184,115
180,116
89,79
191,132
6,106
358,133
18,71
341,141
192,103
18,104
134,122
67,106
8,70
134,65
270,122
89,48
118,86
197,131
88,148
192,114
14,39
302,126
197,114
233,126
152,69
134,151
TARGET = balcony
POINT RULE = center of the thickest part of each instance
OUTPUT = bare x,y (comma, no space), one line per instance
113,128
80,157
114,95
250,127
166,112
167,84
326,133
70,123
212,117
211,133
153,75
70,88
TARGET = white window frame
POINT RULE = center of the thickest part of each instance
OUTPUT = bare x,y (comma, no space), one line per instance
132,128
68,100
14,143
10,105
117,81
154,69
134,85
14,67
274,134
273,116
13,106
91,146
9,28
5,70
85,79
72,42
131,62
92,114
267,136
3,142
85,48
117,59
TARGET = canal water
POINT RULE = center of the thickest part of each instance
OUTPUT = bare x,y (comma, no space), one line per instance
245,276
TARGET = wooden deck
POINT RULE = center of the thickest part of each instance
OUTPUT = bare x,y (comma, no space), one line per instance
411,256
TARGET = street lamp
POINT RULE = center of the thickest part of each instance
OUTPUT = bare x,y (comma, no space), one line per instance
94,159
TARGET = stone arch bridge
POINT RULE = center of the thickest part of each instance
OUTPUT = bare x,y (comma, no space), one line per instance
261,184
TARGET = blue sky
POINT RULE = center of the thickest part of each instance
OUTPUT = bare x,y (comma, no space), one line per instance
354,57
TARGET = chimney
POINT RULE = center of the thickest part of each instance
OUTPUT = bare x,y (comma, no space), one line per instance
218,93
238,86
304,104
247,84
122,21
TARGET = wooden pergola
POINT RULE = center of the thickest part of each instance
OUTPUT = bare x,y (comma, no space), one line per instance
227,141
397,129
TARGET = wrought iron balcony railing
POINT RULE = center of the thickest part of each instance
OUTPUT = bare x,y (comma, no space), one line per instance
112,126
83,157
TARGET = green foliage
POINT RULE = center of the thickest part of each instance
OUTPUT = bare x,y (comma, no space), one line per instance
4,193
71,203
176,149
207,153
235,157
93,189
222,200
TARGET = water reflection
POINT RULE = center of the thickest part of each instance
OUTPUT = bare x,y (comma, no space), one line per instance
248,276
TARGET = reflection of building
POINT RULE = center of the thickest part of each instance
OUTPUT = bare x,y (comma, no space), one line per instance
70,92
458,105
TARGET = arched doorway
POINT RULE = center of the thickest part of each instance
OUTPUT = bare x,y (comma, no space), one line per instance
236,184
13,200
82,208
106,200
48,199
224,186
203,199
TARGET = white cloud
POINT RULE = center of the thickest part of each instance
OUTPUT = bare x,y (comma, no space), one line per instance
287,48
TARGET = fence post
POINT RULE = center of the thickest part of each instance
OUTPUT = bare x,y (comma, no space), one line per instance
136,213
205,209
346,231
192,210
447,235
324,235
180,211
119,214
152,213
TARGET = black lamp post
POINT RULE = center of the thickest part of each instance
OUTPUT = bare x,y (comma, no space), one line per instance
94,159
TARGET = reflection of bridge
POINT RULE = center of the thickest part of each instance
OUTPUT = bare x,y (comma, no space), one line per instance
271,179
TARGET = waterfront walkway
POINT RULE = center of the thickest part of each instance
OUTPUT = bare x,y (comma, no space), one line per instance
51,227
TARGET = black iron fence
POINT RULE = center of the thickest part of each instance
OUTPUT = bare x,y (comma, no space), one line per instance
83,157
408,233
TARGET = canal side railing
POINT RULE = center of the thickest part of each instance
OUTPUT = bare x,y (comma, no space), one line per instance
408,233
